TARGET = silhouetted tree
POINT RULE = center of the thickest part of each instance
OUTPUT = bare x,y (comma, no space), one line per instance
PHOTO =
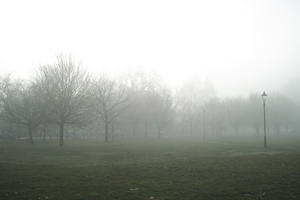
21,104
65,86
110,100
163,109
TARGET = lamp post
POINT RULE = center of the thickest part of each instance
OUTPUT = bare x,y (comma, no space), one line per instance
264,98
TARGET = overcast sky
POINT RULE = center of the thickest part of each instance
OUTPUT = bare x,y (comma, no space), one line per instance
242,46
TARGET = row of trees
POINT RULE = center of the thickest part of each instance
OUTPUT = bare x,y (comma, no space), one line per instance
63,94
139,104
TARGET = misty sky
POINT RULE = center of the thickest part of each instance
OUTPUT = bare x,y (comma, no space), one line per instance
242,46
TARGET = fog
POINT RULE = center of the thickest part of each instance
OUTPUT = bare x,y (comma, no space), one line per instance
153,100
240,46
63,99
195,55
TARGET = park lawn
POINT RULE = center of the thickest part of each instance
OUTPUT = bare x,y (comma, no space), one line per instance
158,169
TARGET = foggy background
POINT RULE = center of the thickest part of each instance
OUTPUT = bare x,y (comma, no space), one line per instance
240,46
149,99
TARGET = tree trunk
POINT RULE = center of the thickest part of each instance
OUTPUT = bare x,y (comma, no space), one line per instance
61,134
158,132
112,131
41,135
203,135
257,131
221,131
106,131
44,134
203,129
278,130
146,128
236,130
30,134
133,126
191,128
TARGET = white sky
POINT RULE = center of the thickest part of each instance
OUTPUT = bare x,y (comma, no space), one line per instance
242,46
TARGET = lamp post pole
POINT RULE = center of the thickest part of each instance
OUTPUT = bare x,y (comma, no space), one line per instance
264,97
265,128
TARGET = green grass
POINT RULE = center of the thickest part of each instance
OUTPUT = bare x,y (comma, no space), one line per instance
168,169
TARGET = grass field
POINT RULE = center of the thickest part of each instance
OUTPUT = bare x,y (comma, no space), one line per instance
168,169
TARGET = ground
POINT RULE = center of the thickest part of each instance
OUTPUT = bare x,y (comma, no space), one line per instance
166,169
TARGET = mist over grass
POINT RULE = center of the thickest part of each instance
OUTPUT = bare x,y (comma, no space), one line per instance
238,168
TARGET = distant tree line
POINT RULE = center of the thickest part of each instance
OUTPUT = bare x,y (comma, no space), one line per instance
62,100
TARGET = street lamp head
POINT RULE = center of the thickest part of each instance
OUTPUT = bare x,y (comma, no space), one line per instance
264,96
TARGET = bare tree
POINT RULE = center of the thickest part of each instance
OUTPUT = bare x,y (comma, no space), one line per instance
141,85
65,87
235,109
111,99
163,109
191,98
21,104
